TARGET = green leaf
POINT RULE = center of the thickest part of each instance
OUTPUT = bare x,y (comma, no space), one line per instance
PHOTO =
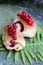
23,56
35,40
2,49
9,54
40,57
31,53
31,40
28,56
0,36
42,35
38,33
1,43
40,52
16,56
40,47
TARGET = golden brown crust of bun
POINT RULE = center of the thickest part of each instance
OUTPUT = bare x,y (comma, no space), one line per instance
20,39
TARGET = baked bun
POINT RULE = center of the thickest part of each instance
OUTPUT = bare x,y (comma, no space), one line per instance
10,42
28,24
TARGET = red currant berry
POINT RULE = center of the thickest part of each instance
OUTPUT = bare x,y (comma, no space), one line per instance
32,23
29,15
10,33
14,26
8,26
18,14
27,18
13,31
23,12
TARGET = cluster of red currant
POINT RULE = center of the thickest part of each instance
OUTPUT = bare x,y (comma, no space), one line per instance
12,30
27,17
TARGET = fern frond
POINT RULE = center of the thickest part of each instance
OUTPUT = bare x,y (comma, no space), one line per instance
9,54
0,36
30,51
2,49
23,56
16,56
1,43
41,47
40,57
28,56
40,52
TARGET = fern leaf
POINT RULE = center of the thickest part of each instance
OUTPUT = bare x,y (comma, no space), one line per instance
38,33
40,57
2,49
9,54
41,47
0,36
16,56
28,56
40,52
1,43
31,53
23,56
31,40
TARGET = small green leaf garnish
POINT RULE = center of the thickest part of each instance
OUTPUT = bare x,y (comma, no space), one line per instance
2,49
16,56
9,54
23,56
29,49
28,56
40,57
